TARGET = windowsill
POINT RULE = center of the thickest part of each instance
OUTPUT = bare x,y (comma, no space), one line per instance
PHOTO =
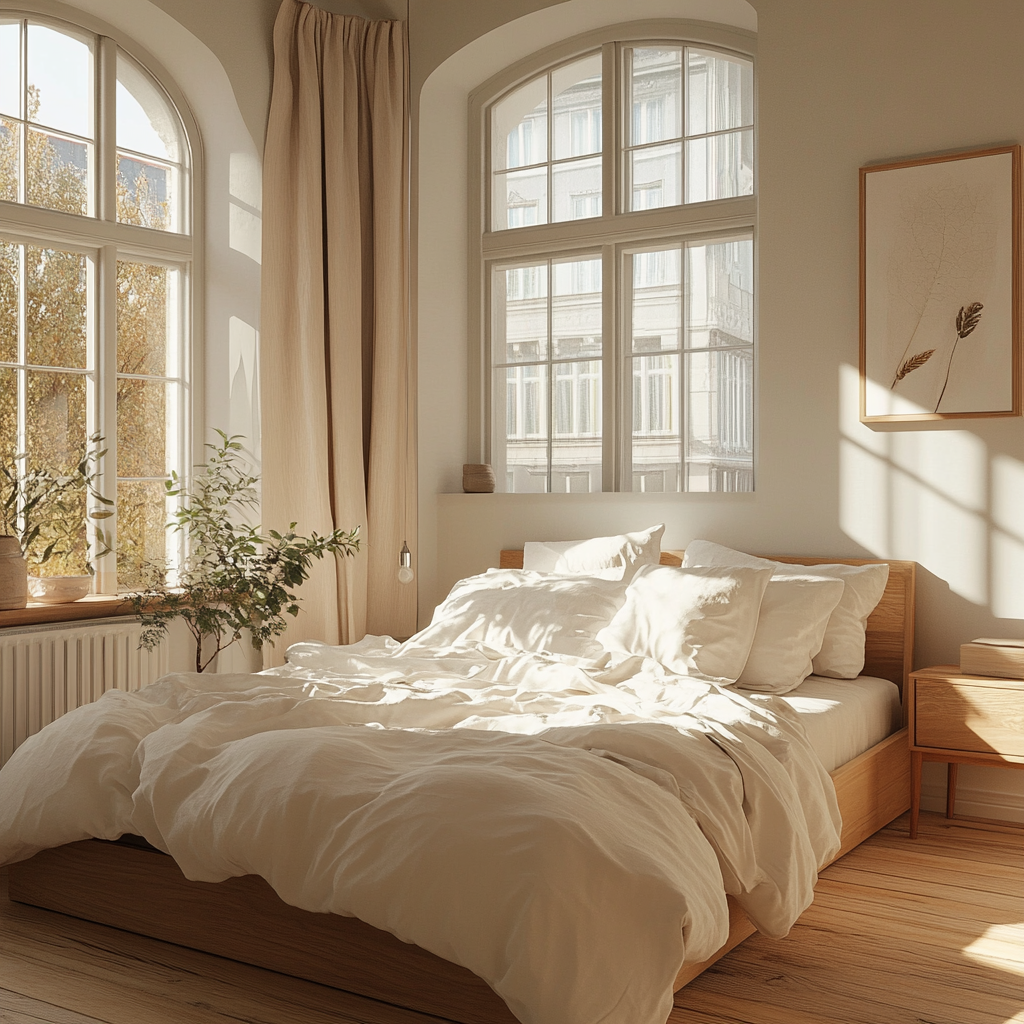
93,606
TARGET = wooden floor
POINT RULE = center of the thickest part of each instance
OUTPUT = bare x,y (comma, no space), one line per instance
901,932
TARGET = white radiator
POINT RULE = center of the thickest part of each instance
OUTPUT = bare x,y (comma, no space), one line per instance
48,670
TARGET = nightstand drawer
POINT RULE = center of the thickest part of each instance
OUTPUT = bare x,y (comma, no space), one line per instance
969,716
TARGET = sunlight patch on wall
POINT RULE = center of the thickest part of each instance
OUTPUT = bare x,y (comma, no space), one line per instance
245,223
1007,537
244,416
919,495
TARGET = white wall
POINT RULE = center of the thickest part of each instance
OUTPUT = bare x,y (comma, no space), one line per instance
841,83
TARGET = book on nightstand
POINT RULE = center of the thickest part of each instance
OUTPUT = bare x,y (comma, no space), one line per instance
989,657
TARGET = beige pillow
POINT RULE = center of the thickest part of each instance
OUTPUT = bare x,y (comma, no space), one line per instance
696,622
842,647
615,557
790,627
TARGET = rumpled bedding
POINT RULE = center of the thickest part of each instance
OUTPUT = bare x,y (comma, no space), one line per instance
566,828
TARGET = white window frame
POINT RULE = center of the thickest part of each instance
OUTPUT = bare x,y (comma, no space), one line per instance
103,240
614,233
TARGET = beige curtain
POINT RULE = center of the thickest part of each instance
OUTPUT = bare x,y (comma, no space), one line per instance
337,450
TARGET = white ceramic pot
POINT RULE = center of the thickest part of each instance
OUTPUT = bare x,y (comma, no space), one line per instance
13,575
58,589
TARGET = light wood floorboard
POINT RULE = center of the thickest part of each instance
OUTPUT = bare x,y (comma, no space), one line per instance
901,932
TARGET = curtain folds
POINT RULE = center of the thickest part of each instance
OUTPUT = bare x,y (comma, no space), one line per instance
337,447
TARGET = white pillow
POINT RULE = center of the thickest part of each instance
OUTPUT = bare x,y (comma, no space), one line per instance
842,647
696,622
790,627
612,557
526,611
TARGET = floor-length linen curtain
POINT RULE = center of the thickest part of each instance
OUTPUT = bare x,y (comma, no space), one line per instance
337,450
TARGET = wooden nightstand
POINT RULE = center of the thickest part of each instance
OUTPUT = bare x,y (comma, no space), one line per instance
961,719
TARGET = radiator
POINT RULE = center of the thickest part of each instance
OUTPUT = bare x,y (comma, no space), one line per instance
46,671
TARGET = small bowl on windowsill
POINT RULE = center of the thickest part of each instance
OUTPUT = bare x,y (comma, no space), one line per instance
58,589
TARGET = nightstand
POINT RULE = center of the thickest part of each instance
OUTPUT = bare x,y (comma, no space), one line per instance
961,719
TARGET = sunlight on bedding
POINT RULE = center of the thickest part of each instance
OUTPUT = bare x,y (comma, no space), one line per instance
905,494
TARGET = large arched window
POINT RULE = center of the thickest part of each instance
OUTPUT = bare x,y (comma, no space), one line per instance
617,267
96,251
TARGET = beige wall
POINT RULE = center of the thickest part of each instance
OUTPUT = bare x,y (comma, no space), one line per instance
841,83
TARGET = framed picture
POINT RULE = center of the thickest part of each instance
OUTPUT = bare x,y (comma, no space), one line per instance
940,287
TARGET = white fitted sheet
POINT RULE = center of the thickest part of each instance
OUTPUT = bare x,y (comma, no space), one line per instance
845,717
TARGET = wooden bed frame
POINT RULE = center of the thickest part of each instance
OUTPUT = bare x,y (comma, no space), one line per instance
141,890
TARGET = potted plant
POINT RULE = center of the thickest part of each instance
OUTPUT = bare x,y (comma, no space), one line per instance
44,518
234,578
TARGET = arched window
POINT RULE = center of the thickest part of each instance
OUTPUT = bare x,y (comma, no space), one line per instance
96,251
617,267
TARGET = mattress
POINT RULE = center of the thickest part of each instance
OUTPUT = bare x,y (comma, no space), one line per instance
845,717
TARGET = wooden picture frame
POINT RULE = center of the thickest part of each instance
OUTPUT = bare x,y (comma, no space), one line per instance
940,287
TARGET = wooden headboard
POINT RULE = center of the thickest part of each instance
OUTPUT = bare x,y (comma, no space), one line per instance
889,643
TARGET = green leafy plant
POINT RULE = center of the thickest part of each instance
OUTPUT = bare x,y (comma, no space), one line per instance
49,511
234,578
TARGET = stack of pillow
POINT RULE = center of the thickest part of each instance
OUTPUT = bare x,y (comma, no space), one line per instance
724,615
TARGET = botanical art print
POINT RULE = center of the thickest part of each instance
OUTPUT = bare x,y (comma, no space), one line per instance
940,267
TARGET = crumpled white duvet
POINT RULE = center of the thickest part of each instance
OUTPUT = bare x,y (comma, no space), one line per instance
566,829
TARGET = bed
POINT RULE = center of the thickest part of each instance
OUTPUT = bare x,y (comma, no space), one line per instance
132,886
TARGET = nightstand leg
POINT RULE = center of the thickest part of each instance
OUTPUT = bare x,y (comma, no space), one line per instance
951,772
915,790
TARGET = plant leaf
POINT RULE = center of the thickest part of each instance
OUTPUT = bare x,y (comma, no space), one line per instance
913,363
967,319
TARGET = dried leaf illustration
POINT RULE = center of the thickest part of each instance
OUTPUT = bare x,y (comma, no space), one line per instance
912,364
967,319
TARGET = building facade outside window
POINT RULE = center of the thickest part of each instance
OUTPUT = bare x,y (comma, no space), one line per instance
617,273
96,254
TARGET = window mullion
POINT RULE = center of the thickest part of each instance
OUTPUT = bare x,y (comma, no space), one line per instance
106,405
550,363
106,130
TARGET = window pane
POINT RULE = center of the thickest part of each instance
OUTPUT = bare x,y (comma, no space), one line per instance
55,420
576,404
720,413
655,95
56,317
519,127
146,193
576,467
519,300
656,423
59,81
8,415
10,68
655,175
142,407
10,277
519,199
577,188
576,308
720,294
521,422
657,301
720,166
10,159
146,121
142,317
141,530
721,93
57,172
576,98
